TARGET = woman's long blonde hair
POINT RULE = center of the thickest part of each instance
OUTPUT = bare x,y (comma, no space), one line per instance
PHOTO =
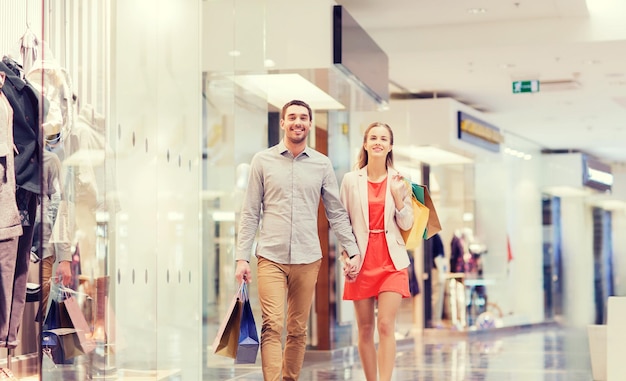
362,159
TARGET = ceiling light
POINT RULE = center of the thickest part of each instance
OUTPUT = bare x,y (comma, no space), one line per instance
476,11
223,216
279,89
591,62
516,153
234,53
430,155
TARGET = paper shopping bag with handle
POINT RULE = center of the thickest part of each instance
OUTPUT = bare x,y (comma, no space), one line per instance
421,194
433,226
227,340
61,344
64,312
79,322
413,237
248,335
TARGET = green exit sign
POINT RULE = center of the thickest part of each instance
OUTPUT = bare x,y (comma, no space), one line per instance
525,86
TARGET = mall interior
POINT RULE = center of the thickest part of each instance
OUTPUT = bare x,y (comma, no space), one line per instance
140,118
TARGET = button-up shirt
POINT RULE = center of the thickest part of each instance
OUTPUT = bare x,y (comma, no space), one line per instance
283,196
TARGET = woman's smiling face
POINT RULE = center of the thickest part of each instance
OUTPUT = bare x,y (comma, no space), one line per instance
377,142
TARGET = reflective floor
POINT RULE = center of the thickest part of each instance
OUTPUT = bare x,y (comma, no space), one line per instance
546,353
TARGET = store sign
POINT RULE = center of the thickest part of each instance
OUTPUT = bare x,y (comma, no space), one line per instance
478,132
597,175
525,86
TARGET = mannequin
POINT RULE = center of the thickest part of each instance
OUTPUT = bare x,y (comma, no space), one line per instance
455,284
457,252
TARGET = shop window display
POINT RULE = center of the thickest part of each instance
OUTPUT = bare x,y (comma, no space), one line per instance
20,166
58,185
114,109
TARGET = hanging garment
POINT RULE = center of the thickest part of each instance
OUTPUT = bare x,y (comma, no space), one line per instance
457,264
436,248
29,49
10,225
24,100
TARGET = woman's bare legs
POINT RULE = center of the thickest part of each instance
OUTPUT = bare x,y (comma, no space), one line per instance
366,320
388,305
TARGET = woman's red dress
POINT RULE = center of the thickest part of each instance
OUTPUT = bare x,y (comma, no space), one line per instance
378,274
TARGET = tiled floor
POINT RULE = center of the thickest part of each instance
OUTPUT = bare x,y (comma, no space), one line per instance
545,353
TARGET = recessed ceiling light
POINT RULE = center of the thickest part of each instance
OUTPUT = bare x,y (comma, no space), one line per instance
476,11
429,154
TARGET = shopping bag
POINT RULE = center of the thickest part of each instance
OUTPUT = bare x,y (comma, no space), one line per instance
414,286
65,328
61,344
433,226
413,237
78,321
248,335
227,338
58,340
53,315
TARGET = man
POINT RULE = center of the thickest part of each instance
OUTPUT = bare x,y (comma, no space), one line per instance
284,187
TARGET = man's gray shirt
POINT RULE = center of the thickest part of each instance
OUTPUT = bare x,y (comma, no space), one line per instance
283,194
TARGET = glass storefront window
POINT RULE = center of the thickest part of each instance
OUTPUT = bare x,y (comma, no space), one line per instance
120,190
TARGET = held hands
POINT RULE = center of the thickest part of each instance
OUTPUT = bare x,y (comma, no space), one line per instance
351,266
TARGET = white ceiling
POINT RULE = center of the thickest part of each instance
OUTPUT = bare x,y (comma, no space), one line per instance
440,46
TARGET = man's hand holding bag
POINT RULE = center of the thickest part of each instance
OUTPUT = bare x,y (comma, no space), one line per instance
237,336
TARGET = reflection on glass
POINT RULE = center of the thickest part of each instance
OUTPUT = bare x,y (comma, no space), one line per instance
59,172
73,185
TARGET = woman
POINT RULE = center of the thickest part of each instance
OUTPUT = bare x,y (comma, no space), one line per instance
379,205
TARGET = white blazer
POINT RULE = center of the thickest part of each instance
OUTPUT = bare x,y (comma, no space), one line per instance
354,197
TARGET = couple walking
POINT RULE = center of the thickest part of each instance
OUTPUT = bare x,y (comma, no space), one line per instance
366,213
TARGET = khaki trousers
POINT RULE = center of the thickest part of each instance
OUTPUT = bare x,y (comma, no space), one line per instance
294,285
